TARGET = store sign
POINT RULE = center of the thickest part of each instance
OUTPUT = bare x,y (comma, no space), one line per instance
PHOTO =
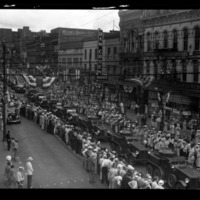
168,108
100,52
176,112
186,112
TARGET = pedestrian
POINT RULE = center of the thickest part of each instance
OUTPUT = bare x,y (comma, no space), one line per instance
7,172
127,177
12,146
20,177
91,167
15,150
29,169
8,140
12,177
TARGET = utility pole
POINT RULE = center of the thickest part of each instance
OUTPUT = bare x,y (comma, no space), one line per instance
4,92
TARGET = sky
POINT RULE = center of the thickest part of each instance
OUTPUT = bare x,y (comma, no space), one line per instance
49,19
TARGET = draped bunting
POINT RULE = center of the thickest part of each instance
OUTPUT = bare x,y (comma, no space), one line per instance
46,82
97,85
128,89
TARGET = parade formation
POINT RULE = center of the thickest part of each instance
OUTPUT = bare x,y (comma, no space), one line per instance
171,156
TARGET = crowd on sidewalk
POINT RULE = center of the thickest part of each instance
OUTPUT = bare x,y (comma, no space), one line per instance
97,160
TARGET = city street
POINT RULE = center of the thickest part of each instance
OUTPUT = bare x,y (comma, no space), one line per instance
55,166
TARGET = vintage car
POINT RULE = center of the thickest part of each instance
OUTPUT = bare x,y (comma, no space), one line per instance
101,133
173,169
13,118
129,147
84,122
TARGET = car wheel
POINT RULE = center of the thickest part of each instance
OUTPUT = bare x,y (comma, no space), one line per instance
171,180
179,186
149,170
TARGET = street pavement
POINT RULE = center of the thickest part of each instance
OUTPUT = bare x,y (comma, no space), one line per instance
55,165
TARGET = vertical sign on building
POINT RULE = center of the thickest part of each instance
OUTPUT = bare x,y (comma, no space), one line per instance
100,52
100,76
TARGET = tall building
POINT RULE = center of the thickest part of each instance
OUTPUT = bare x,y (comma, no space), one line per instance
172,50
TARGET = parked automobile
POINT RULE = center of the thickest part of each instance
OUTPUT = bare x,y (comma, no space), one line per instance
13,118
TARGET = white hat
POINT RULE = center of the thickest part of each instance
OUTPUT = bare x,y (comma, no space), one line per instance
129,167
30,159
8,158
161,182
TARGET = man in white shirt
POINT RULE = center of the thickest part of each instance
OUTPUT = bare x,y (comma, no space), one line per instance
29,169
20,177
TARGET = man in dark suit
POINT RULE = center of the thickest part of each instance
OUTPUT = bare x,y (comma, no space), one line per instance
127,178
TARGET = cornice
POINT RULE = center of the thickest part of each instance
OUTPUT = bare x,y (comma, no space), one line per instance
173,18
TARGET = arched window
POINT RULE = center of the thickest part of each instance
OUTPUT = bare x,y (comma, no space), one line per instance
185,39
156,40
197,37
165,39
148,42
175,39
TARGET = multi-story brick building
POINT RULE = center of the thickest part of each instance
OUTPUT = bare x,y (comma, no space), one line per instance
172,46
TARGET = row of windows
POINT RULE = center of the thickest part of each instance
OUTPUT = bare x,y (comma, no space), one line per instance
70,60
109,69
156,42
95,53
173,69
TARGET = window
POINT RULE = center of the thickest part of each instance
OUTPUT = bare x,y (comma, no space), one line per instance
148,42
155,70
114,51
95,67
85,54
85,67
197,38
131,43
184,70
148,68
63,62
80,61
95,54
185,39
90,55
195,71
175,41
69,61
75,61
156,40
165,39
108,52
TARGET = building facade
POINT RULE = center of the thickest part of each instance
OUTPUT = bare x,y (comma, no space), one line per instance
171,55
